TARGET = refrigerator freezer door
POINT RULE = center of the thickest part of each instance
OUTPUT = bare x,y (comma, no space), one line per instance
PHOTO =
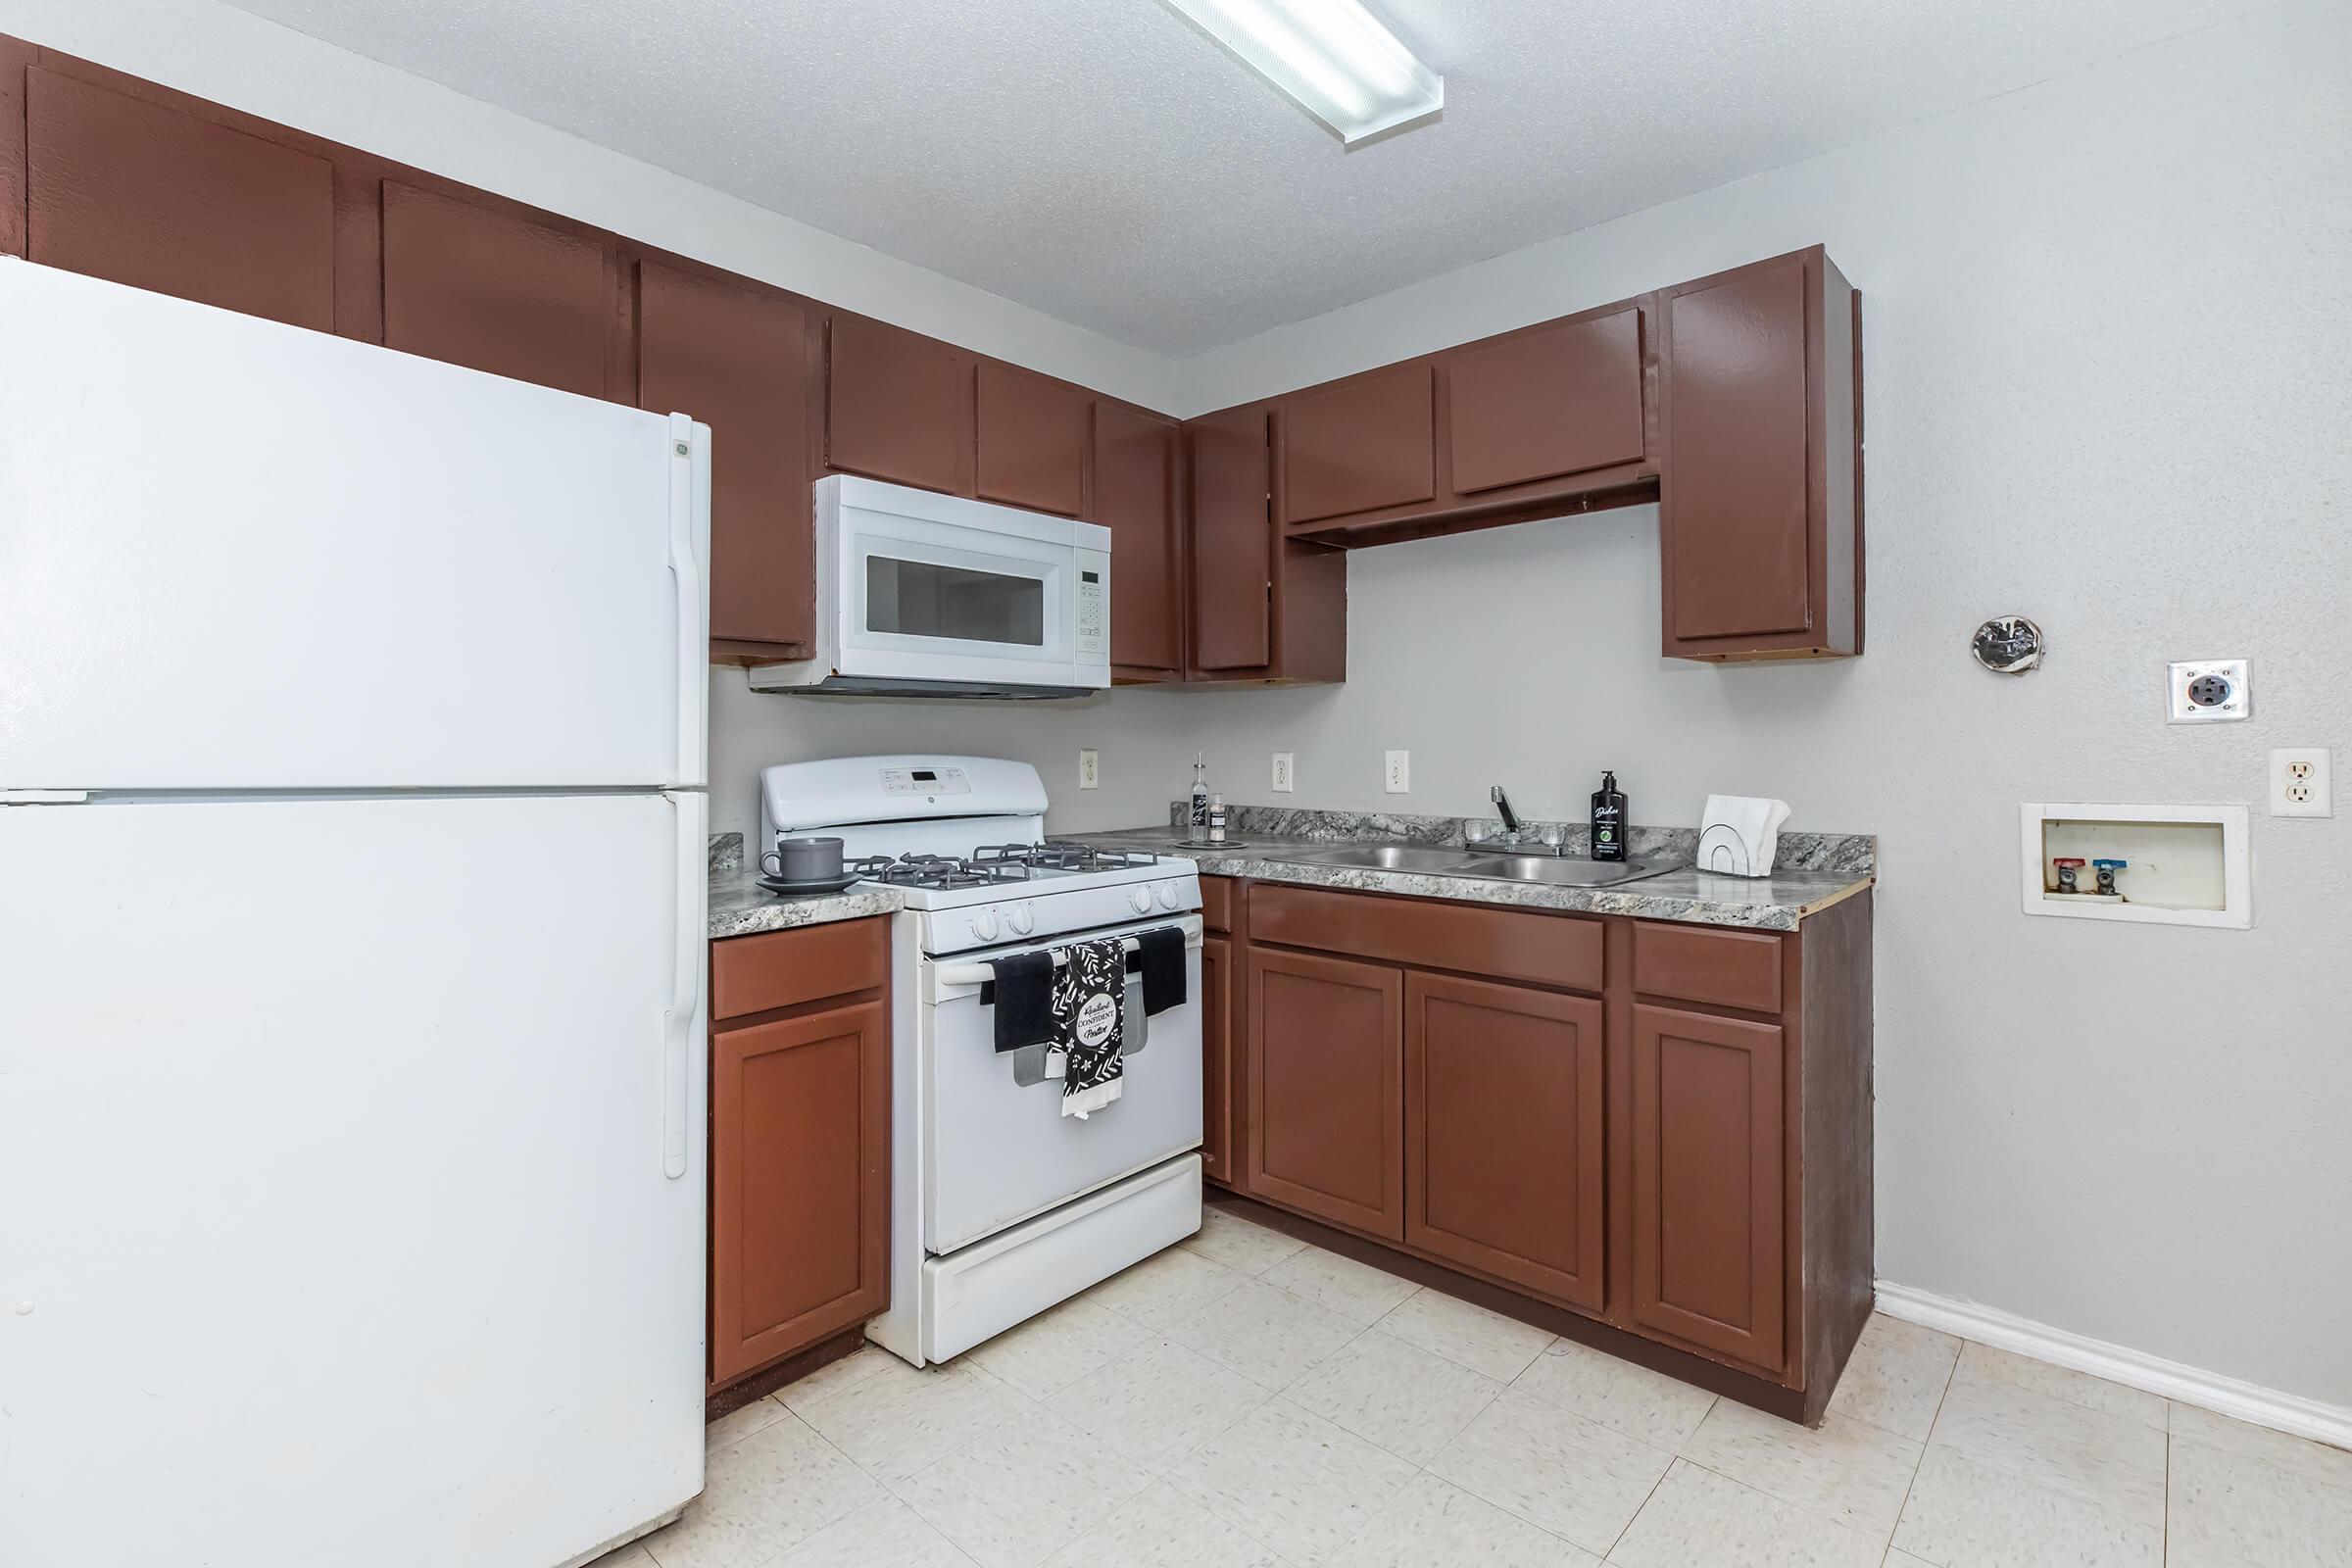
334,1137
235,554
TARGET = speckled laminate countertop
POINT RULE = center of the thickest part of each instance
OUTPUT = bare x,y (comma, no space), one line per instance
1816,870
740,906
1774,902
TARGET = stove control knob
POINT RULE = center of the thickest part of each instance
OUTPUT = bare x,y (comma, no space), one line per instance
984,925
1024,919
1167,895
1141,897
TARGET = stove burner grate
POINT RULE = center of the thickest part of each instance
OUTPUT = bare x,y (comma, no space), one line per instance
937,871
1060,854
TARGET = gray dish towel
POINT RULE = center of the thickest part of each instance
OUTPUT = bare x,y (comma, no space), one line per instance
1090,989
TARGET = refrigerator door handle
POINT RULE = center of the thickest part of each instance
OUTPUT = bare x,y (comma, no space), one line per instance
686,975
688,512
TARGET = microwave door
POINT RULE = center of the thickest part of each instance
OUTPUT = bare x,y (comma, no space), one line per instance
942,602
909,596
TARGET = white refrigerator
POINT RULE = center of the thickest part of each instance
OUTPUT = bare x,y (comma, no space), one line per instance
352,933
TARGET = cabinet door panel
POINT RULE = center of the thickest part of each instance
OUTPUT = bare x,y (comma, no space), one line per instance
1232,543
898,406
1135,498
1734,487
1216,1065
491,290
1326,1048
1707,1150
145,195
736,359
798,1192
1031,440
1503,1130
1360,446
16,65
1545,404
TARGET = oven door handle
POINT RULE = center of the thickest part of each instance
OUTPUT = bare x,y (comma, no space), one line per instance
944,975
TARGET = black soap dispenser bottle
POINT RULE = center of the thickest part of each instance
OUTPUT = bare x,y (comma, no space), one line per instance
1609,819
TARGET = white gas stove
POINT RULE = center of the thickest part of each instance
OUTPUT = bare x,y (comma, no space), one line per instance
1000,1206
966,834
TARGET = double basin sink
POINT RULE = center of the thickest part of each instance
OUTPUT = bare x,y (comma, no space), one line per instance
1542,868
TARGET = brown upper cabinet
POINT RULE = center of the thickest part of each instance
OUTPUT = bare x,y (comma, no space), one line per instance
482,285
1135,497
1232,543
1264,608
1733,402
1759,507
1363,445
16,65
146,194
1545,404
1538,423
1031,436
898,406
736,357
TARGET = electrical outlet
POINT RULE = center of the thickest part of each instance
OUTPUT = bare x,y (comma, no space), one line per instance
1281,773
2301,782
1397,777
2209,691
1090,768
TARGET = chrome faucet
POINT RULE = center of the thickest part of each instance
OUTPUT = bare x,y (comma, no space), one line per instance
1502,809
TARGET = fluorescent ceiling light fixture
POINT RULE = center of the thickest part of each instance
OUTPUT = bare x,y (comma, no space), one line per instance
1330,57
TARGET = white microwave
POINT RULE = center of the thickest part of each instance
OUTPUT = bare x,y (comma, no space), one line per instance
925,595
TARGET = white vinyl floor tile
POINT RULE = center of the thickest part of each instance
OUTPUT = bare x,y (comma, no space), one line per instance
1249,1401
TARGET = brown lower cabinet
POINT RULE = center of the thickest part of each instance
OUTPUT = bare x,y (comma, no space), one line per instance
1216,1051
1664,1129
1708,1170
1504,1132
1326,1088
800,1141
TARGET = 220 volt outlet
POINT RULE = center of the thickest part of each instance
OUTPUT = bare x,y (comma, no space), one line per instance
2302,782
2208,691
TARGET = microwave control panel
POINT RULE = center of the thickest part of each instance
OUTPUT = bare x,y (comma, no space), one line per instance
1094,606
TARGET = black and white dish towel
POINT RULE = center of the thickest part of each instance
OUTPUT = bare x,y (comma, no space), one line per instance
1037,998
1089,987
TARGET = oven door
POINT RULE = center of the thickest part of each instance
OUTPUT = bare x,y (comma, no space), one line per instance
997,1149
992,597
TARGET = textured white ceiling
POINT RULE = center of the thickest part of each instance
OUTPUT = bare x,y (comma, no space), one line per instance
1101,162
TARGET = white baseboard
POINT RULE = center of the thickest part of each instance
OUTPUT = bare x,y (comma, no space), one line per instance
2135,1369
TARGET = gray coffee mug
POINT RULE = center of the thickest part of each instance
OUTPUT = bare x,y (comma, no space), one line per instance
802,859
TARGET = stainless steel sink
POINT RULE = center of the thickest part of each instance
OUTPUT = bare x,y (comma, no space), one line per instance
1554,871
1381,858
1559,870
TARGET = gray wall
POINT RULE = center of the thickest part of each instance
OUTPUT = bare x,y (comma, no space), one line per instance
2106,333
1144,761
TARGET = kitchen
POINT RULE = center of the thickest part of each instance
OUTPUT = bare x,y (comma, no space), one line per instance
2099,1155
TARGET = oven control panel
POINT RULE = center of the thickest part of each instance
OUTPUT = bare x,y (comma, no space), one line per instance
925,781
994,917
